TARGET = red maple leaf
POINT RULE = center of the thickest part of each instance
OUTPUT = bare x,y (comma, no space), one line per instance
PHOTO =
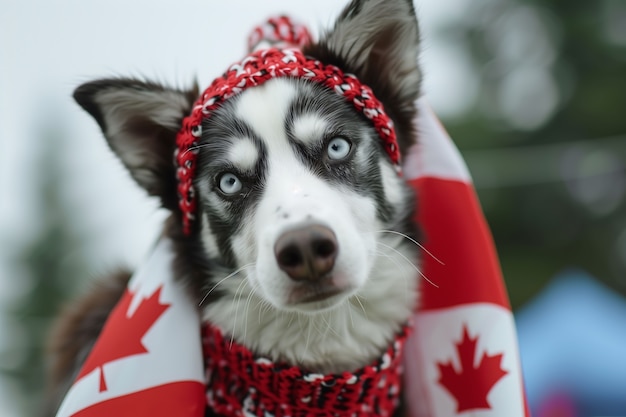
121,335
472,383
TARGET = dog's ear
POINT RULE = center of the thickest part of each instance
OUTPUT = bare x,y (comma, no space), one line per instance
140,121
378,41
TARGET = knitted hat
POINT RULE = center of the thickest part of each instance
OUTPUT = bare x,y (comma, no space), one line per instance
256,69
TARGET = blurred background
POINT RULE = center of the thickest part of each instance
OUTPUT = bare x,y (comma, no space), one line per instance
532,91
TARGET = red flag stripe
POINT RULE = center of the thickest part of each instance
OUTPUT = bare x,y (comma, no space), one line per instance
181,399
457,234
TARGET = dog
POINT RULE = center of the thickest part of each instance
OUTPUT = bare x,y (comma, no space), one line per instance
302,246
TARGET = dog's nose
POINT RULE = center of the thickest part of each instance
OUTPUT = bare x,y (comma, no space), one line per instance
306,253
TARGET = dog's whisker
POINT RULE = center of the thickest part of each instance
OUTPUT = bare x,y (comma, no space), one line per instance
356,296
391,258
246,311
411,240
308,339
317,328
235,301
239,288
329,327
197,147
398,265
263,306
327,322
350,314
410,263
260,306
232,274
291,320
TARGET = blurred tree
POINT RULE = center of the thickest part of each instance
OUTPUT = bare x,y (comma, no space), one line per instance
551,78
50,265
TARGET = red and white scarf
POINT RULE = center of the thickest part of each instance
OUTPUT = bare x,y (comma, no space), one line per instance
461,356
240,383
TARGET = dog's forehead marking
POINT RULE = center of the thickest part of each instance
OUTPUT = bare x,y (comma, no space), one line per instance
243,154
265,110
309,128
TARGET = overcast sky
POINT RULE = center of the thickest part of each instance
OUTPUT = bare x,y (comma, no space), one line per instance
48,47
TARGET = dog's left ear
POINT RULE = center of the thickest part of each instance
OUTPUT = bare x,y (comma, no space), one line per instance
140,121
378,41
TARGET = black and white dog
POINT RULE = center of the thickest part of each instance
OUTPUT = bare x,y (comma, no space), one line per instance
303,248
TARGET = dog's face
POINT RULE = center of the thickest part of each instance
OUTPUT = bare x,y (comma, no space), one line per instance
296,184
300,210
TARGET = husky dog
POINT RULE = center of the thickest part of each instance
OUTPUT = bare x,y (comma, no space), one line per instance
303,247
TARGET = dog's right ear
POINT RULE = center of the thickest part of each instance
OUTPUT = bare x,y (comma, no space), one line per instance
378,41
140,120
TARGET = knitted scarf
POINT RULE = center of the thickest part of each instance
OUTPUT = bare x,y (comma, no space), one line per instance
242,384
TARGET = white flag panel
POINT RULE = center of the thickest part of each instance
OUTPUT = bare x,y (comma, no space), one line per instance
437,334
180,359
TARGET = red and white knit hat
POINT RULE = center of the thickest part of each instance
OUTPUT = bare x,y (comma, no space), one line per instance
258,68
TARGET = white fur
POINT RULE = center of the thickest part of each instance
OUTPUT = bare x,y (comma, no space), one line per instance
379,284
309,128
244,154
208,238
393,191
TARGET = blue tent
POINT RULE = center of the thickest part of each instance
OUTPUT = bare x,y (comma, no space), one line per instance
573,341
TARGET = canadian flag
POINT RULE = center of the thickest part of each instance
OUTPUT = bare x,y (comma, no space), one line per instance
148,358
462,359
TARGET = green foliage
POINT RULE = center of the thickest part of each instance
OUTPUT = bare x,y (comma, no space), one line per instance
553,193
50,265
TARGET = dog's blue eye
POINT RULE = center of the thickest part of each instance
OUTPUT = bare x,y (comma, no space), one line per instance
338,148
229,183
